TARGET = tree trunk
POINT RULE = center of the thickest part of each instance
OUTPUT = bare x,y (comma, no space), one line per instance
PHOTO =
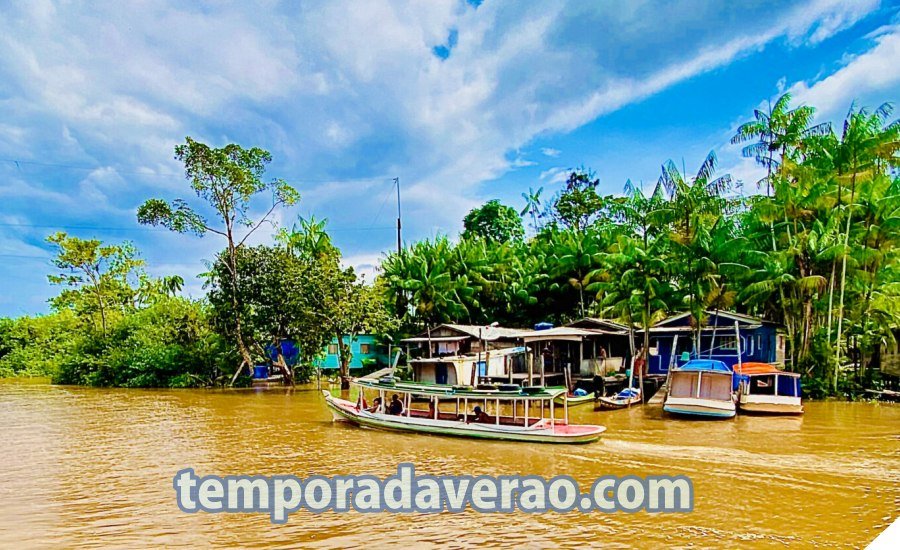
238,331
344,362
285,369
844,280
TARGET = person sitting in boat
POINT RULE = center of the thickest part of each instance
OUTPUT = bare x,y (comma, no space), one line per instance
377,406
481,416
396,407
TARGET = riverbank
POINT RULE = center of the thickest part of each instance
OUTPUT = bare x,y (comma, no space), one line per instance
100,464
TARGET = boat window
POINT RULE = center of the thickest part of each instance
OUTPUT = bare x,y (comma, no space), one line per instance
762,385
715,387
787,386
683,384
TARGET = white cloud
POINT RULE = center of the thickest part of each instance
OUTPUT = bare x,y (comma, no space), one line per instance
554,175
345,90
872,71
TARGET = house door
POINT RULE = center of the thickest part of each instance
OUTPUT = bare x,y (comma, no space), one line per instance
440,373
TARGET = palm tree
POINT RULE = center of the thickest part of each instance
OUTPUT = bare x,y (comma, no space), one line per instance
532,205
694,208
867,146
780,130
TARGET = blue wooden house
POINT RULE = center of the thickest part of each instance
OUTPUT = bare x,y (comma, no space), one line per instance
364,349
722,336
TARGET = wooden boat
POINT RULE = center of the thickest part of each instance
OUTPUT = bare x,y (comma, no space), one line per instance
625,398
701,387
575,400
765,389
533,424
621,400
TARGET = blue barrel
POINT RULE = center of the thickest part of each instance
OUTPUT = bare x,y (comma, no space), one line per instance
261,372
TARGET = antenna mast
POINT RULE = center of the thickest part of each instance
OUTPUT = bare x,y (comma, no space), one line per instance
399,242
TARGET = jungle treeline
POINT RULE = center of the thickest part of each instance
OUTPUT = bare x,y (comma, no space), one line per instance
812,245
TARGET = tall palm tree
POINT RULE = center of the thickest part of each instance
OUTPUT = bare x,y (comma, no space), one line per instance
695,206
779,131
532,205
867,146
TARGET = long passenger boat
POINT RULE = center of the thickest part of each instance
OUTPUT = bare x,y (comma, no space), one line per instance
701,387
765,389
521,414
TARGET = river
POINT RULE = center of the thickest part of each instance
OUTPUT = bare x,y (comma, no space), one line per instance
93,468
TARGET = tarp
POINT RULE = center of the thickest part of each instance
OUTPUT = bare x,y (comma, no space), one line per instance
705,365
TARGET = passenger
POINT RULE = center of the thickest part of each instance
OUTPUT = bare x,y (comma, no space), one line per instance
481,416
396,407
377,406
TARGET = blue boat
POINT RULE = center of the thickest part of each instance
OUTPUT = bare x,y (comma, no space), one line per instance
701,388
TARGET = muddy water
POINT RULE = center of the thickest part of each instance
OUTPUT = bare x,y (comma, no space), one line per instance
91,468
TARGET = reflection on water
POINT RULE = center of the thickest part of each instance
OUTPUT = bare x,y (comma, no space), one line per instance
94,467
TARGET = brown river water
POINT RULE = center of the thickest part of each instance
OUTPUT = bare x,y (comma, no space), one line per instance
88,467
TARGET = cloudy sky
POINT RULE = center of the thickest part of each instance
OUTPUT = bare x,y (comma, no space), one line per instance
463,101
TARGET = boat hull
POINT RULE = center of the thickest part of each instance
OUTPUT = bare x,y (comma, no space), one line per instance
708,408
610,404
575,401
771,406
541,432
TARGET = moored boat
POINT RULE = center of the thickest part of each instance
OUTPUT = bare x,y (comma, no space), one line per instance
765,389
621,400
701,387
574,400
526,414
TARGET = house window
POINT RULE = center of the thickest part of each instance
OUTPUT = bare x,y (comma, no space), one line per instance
332,349
365,349
726,343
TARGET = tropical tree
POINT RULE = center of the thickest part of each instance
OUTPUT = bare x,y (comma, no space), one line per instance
97,276
226,179
493,222
532,205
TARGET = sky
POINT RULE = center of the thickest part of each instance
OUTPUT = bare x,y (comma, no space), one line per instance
463,101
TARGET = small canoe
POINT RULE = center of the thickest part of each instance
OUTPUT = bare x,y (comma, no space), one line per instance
575,400
621,400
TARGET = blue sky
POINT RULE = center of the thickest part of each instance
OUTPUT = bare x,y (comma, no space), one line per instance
463,101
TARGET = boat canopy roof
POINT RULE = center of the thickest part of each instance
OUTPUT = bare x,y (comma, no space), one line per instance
441,390
571,334
470,357
420,339
751,369
705,365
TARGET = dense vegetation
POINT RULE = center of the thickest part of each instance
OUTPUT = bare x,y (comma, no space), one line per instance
113,325
814,248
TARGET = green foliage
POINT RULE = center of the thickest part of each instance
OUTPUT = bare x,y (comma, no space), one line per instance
227,179
298,291
493,222
818,253
98,278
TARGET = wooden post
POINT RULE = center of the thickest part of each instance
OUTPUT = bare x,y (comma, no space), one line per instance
552,415
529,359
543,383
526,412
672,355
580,354
737,345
